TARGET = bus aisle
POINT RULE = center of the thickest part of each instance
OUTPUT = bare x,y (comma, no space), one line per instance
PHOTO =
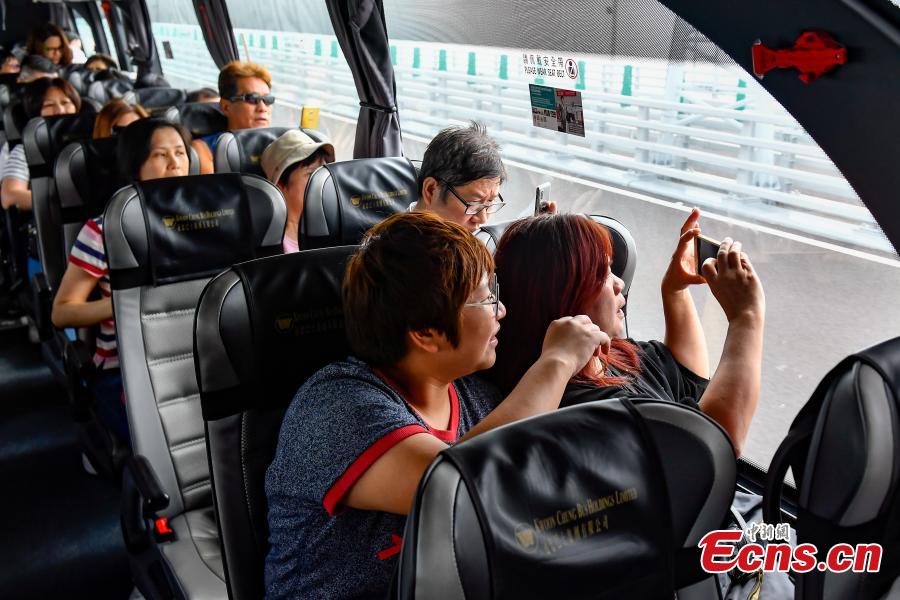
64,521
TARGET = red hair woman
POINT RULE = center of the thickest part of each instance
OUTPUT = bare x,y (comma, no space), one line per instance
556,265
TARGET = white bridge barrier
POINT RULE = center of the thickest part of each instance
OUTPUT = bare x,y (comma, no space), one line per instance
702,140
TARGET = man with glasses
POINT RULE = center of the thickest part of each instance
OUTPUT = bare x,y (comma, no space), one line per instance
288,162
460,177
245,91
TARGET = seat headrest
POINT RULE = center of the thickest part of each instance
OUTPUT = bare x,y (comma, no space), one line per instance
264,326
240,151
9,90
14,120
158,97
202,118
182,228
590,500
624,250
107,89
45,137
344,199
86,175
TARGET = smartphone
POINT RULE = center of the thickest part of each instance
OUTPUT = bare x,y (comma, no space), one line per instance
541,198
705,247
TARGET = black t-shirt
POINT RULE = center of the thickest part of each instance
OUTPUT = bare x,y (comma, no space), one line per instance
661,377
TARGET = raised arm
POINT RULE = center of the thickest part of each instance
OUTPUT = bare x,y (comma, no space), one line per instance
684,334
733,392
390,483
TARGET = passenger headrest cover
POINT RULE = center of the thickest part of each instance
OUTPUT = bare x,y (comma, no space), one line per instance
99,179
203,118
367,191
63,130
571,504
296,327
196,227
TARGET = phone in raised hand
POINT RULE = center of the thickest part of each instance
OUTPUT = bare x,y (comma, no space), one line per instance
541,198
705,247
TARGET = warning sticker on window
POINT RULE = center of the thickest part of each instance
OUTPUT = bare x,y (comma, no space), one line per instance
561,71
559,110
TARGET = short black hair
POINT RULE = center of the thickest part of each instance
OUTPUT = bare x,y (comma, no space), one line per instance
199,95
133,146
286,174
33,94
459,155
106,59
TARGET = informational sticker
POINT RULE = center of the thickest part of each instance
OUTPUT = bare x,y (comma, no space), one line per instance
556,70
167,49
556,109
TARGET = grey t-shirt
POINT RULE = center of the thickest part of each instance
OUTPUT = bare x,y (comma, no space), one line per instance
342,420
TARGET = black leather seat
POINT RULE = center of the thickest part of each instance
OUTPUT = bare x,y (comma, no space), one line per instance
44,138
107,89
263,327
158,97
240,151
14,120
165,239
202,118
344,199
601,500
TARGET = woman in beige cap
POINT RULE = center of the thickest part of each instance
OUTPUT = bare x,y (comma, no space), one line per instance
288,162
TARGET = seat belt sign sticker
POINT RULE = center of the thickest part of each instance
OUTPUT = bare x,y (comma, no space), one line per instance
544,67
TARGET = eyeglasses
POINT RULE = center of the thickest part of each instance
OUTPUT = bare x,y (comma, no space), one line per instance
53,48
494,298
473,208
253,98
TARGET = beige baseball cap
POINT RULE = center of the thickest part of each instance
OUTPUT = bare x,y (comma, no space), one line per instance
292,147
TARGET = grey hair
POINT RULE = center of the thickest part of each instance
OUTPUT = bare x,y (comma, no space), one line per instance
459,155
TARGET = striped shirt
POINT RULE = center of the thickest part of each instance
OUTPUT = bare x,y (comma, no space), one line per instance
16,166
89,254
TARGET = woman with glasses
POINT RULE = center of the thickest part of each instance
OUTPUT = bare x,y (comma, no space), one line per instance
245,91
461,175
50,41
422,311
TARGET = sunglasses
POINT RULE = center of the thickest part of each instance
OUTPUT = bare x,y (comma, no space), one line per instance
253,98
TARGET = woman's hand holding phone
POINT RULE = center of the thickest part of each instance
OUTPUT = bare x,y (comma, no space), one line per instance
683,269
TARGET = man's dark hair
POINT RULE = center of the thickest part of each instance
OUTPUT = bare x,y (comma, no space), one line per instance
413,271
133,146
106,59
33,94
286,174
201,94
459,155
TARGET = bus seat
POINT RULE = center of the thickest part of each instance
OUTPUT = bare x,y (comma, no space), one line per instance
344,199
9,91
165,239
240,151
14,120
202,118
588,499
157,97
624,250
106,90
44,138
262,328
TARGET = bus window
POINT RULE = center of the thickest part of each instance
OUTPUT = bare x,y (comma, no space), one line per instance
86,35
174,24
669,122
